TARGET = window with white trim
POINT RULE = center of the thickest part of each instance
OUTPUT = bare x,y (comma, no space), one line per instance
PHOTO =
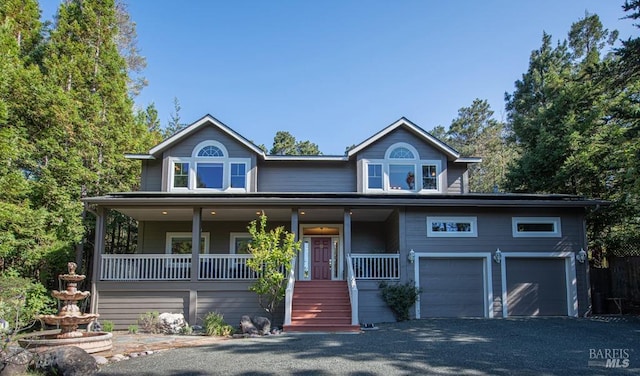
402,170
210,168
239,242
179,243
536,227
452,227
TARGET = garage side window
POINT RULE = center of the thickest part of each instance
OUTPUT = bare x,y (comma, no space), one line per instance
536,227
452,227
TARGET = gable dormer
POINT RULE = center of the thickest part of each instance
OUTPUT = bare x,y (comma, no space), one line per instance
206,156
404,158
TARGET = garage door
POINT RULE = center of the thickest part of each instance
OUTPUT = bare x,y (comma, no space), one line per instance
536,287
452,287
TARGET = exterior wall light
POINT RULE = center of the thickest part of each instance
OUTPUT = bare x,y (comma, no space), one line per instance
411,256
498,256
581,256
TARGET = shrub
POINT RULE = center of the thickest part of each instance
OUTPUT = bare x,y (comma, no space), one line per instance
400,297
214,325
133,329
21,300
107,326
186,330
272,253
150,322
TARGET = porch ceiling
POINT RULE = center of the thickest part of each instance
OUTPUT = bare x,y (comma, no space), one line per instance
306,215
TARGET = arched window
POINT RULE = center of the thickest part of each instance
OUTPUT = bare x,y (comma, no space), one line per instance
210,151
401,153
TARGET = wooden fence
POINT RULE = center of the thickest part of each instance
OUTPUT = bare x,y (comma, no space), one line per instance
620,280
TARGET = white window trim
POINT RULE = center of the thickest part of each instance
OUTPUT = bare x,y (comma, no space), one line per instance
417,163
193,161
487,275
556,233
232,240
473,221
570,277
171,235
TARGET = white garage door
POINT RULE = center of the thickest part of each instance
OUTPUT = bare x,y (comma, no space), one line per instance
536,287
452,287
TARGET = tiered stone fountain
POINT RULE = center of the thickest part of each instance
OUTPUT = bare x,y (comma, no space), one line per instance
69,317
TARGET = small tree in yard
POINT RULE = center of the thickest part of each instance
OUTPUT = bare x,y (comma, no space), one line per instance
272,254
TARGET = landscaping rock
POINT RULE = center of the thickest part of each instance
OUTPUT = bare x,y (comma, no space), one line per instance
263,325
172,323
66,361
100,360
14,361
247,326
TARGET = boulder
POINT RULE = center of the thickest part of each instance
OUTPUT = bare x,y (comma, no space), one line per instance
172,323
247,326
262,324
66,361
14,361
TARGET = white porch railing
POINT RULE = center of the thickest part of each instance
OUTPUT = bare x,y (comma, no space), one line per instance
225,267
162,267
376,265
147,267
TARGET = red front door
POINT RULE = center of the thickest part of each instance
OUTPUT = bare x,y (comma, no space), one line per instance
321,258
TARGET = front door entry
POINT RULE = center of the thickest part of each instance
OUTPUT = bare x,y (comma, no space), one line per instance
321,258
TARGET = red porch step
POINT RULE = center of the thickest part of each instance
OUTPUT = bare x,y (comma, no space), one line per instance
321,306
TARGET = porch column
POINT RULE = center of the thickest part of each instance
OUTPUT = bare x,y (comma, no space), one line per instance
295,224
196,235
98,249
347,231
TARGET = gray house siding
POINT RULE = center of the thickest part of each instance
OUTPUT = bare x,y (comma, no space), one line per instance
368,237
154,234
455,178
371,307
306,177
124,309
392,229
151,179
124,303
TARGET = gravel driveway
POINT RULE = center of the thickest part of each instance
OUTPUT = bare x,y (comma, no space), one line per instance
540,346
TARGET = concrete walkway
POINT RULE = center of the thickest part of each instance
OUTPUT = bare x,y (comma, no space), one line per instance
542,346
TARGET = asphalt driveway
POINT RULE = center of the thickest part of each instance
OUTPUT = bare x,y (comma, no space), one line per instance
540,346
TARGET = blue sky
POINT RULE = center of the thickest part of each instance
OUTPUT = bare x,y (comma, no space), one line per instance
335,72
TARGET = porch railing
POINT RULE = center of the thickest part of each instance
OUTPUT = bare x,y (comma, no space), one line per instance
376,265
162,267
145,267
225,267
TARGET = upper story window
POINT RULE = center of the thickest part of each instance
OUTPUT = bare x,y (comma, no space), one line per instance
209,167
402,170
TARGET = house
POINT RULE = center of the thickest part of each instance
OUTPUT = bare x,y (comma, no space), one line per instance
394,208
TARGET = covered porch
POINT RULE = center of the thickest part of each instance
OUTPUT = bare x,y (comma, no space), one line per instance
336,245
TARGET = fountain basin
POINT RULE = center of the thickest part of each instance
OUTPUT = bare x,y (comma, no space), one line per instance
90,342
